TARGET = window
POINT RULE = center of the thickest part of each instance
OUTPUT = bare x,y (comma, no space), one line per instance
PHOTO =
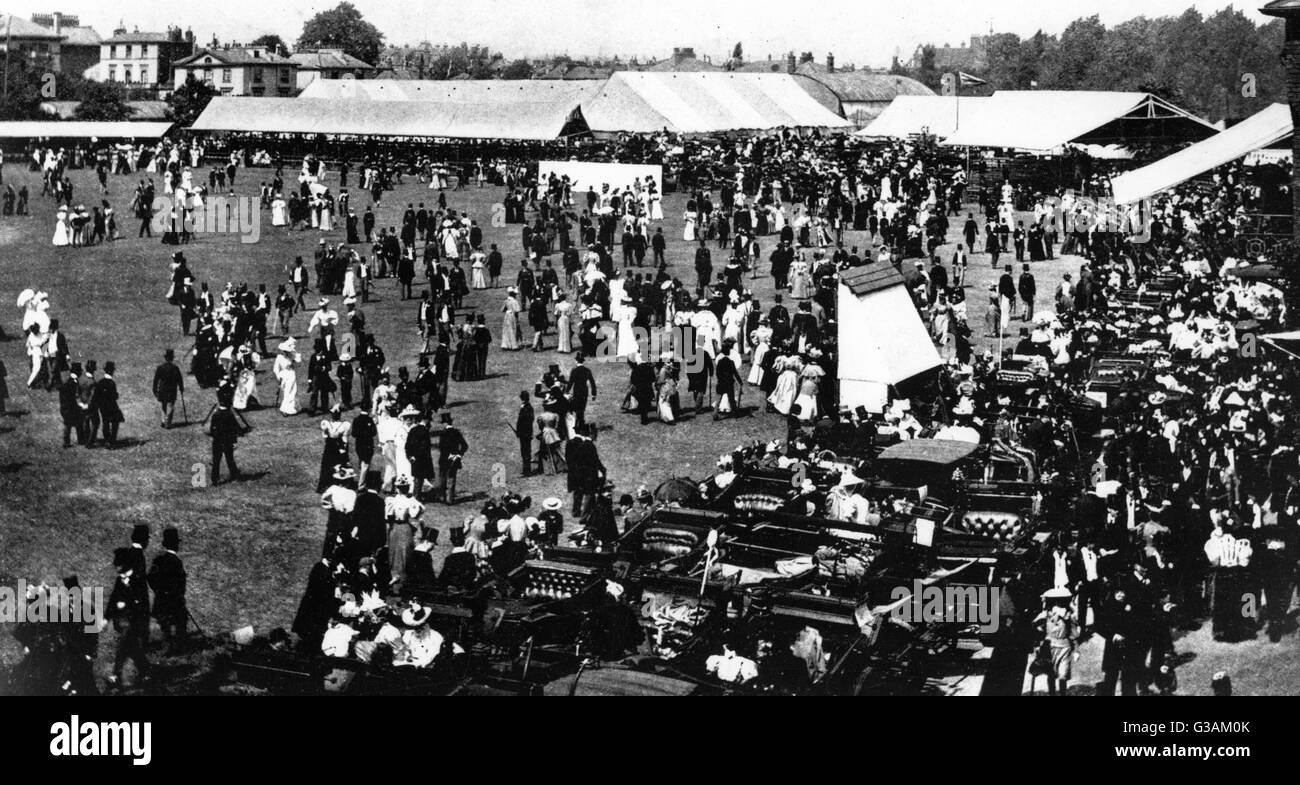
112,73
259,91
144,74
225,76
207,75
144,52
284,75
257,76
128,53
112,51
126,73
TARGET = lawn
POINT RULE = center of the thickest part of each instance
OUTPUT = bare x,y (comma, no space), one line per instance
248,545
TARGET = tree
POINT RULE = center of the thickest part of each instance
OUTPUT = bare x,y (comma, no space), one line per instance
517,69
342,27
1069,64
928,74
737,52
272,42
102,101
189,100
22,90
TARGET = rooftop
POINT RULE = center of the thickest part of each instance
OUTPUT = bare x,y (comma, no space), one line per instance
328,58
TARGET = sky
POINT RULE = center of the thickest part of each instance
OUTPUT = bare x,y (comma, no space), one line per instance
864,32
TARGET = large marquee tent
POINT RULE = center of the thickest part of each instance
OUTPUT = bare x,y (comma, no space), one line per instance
883,341
570,93
40,129
702,103
455,119
1043,120
1264,129
910,115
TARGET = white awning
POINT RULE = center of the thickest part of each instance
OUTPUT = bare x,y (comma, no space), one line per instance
1265,128
34,129
909,115
1046,119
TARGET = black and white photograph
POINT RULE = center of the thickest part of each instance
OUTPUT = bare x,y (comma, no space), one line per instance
535,349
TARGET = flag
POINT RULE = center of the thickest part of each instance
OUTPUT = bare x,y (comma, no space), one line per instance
969,81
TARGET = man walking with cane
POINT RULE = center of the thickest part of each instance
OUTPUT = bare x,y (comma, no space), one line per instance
224,430
167,383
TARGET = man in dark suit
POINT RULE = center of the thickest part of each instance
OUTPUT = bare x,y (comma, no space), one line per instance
451,452
128,610
110,414
69,407
224,429
1007,291
167,579
586,472
86,399
1028,289
318,605
970,229
581,382
658,244
524,432
419,451
167,383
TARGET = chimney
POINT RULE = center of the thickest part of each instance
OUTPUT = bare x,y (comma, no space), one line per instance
789,63
58,22
830,63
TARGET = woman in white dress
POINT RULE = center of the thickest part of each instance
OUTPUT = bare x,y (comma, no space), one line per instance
510,335
62,234
326,214
478,276
451,243
36,340
688,232
286,373
787,383
350,280
279,211
800,279
761,340
656,207
810,384
563,323
627,345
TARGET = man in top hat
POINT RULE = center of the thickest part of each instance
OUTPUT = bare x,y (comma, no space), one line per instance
451,453
167,383
167,579
581,382
69,407
1028,289
128,610
524,432
105,401
586,472
224,428
419,449
1007,293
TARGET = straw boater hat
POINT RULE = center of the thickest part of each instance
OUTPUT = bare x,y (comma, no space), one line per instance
552,504
287,346
344,473
324,301
1157,398
416,615
410,411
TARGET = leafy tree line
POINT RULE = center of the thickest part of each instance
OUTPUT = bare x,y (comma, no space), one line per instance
1220,66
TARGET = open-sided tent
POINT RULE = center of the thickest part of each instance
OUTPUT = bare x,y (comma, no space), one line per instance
1263,129
456,119
646,102
936,115
882,341
42,129
1046,119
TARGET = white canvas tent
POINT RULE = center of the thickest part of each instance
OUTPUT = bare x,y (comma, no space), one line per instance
1046,119
882,339
529,120
909,115
704,102
474,91
1262,129
33,129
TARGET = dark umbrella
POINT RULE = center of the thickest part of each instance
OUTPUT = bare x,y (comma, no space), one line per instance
676,489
